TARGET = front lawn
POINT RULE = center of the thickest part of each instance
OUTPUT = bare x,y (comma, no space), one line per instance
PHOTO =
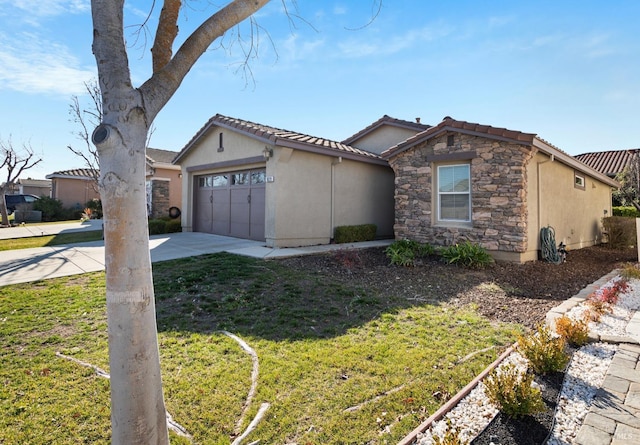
338,363
50,240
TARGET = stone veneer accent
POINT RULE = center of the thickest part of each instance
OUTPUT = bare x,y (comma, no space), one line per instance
159,198
498,193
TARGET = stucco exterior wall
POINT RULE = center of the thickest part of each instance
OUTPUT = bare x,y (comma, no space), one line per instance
382,138
575,213
172,175
73,193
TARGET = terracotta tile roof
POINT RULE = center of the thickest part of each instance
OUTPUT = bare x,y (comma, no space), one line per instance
78,173
609,163
162,156
284,138
387,120
449,124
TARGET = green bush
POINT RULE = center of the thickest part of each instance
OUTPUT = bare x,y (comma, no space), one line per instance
404,252
511,391
466,254
545,352
96,208
51,208
621,231
354,234
628,211
157,226
174,226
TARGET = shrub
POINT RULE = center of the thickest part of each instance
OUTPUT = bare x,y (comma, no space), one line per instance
467,254
511,391
404,252
95,206
51,208
574,332
157,226
545,352
621,231
628,211
354,234
630,271
173,226
451,436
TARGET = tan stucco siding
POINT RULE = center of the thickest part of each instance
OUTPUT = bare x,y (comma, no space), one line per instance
363,194
74,193
574,213
175,184
382,138
299,199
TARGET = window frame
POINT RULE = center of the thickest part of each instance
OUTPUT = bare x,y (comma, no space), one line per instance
579,181
438,194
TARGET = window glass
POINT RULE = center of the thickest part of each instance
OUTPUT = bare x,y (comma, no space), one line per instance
201,181
258,177
220,180
579,181
241,178
454,197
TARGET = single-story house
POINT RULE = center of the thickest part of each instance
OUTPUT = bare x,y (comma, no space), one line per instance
37,187
75,187
384,133
461,181
289,189
609,163
78,186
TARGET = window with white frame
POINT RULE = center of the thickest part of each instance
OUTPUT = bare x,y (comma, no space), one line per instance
454,193
578,181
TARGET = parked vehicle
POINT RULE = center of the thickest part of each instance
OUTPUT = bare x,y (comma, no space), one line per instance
15,200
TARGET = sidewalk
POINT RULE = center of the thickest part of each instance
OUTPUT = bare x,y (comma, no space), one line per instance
27,265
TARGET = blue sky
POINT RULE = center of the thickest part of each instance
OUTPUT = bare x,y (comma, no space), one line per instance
568,71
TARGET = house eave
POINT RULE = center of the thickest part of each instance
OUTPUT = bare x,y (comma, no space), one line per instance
570,161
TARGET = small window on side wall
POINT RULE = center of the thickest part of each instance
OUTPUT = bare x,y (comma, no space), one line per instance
579,181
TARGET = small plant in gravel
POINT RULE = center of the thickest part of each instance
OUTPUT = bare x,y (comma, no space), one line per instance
467,255
545,352
574,332
631,271
405,252
348,258
451,436
512,392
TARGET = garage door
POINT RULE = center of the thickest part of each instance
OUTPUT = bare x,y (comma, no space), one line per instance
231,204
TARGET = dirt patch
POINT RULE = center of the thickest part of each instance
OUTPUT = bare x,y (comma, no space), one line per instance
517,293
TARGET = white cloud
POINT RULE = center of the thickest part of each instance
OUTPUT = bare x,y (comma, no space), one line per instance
31,65
48,8
394,44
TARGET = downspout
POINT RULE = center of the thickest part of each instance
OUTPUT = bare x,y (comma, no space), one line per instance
334,162
551,159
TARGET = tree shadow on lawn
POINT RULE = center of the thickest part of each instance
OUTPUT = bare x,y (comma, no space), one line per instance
293,299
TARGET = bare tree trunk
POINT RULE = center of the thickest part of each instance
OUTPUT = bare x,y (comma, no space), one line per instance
133,348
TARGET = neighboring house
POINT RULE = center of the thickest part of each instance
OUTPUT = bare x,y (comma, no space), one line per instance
164,182
609,163
37,187
461,181
289,189
74,187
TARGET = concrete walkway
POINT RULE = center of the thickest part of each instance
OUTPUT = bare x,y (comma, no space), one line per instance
27,265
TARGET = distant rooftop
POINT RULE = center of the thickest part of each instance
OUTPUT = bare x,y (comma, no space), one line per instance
609,163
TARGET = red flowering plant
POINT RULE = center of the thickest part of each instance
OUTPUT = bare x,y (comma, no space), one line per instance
603,299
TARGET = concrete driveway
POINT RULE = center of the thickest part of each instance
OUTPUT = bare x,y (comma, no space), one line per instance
27,265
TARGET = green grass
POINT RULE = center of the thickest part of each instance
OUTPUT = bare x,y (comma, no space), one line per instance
50,240
338,364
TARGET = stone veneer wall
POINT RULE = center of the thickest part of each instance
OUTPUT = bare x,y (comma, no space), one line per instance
498,193
159,198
